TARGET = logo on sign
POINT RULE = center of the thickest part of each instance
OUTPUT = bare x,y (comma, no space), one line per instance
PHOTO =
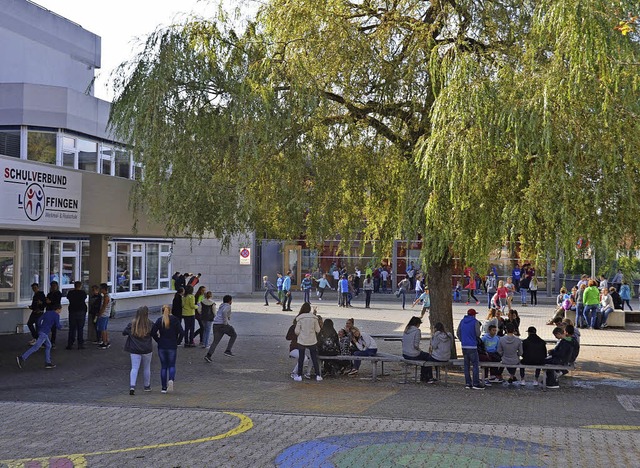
34,202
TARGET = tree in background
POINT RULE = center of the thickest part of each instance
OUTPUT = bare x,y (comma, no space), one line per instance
466,123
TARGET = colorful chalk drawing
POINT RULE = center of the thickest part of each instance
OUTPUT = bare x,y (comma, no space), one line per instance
79,460
412,449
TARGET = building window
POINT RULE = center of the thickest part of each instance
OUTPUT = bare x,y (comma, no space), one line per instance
123,164
7,270
32,257
106,159
123,258
87,155
41,147
10,143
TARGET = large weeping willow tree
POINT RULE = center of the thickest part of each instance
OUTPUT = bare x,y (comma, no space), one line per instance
466,123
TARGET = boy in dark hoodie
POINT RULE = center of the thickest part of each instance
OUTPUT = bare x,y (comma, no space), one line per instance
534,352
559,355
510,348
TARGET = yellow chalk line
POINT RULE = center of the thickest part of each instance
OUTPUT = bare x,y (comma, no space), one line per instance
79,459
611,427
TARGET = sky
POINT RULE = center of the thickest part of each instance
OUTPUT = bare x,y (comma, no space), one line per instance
122,24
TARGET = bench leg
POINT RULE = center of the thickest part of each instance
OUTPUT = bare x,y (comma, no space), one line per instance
374,368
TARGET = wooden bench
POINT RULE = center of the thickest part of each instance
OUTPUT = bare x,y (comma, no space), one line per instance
444,365
543,368
380,357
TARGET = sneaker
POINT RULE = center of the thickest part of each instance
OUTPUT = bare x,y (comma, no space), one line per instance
523,383
477,302
20,361
492,379
431,381
318,378
208,358
103,346
467,387
499,380
535,383
293,375
48,365
266,304
164,390
170,386
147,389
487,383
297,378
604,325
477,387
32,342
553,386
353,372
132,391
307,376
229,354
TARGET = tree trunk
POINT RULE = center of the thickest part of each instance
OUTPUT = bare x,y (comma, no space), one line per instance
440,292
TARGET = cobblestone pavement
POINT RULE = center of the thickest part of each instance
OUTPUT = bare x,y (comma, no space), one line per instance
246,411
89,435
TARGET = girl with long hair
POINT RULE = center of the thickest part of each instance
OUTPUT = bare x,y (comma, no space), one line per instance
140,348
168,333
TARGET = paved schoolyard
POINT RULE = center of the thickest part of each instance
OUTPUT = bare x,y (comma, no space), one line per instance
246,411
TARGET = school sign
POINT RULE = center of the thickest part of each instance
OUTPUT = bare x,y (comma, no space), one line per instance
37,195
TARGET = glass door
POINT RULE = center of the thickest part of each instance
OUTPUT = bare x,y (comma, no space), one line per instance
292,262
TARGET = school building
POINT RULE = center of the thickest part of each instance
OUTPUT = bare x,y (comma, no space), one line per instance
65,181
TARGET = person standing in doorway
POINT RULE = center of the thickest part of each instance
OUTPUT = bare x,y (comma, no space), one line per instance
286,292
77,315
221,327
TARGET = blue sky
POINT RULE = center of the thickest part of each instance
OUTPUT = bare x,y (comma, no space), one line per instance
123,23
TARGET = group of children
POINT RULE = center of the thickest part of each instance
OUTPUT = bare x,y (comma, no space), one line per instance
509,349
44,319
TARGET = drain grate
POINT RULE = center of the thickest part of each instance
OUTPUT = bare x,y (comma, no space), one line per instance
629,402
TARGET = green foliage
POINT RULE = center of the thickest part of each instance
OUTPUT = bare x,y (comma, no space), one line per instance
467,123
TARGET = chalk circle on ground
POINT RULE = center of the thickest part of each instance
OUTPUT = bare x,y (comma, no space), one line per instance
415,448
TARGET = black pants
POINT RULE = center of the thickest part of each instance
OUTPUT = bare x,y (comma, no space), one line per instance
189,327
367,299
199,330
534,297
76,328
31,323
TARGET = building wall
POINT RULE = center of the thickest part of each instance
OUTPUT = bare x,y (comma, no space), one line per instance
221,271
45,48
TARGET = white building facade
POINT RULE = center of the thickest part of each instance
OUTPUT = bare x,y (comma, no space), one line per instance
65,182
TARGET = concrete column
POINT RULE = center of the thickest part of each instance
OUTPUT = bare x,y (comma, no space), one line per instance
98,261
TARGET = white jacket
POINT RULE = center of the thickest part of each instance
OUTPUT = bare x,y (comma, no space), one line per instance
306,328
